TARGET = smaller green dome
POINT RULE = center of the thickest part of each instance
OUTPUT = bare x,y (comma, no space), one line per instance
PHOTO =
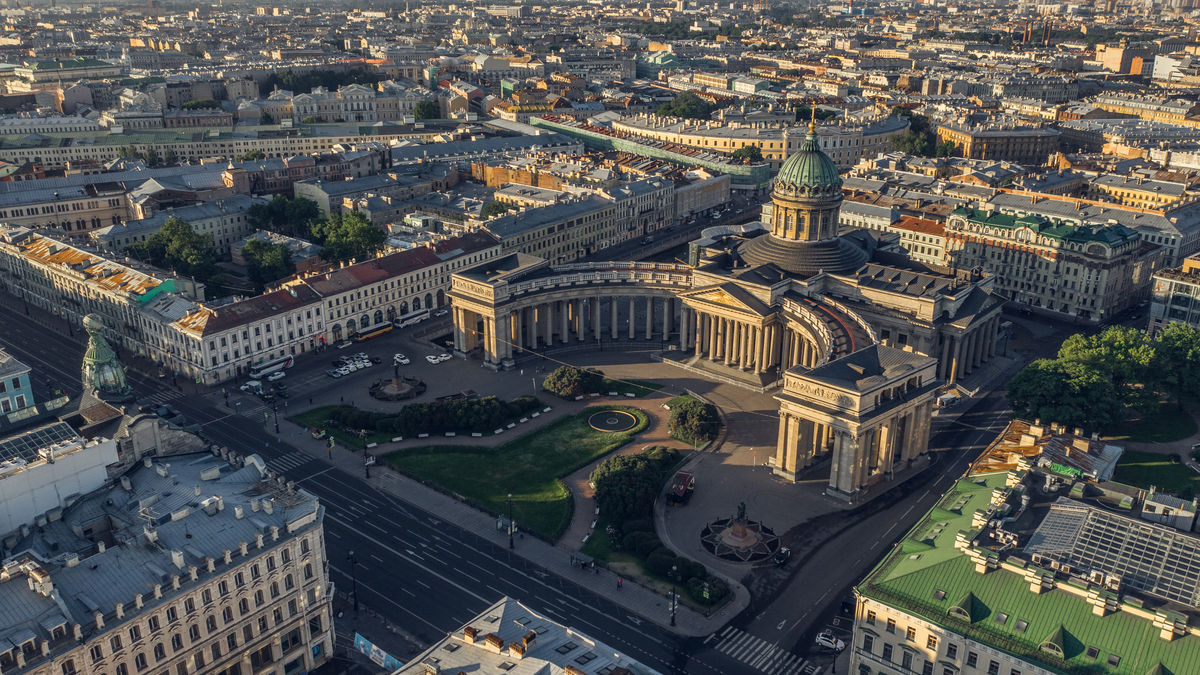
810,171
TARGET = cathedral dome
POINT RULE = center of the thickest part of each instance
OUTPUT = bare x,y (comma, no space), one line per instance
809,172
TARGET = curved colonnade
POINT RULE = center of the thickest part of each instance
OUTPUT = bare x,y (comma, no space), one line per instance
651,302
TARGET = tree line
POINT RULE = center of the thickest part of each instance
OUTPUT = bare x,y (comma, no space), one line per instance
179,248
1095,380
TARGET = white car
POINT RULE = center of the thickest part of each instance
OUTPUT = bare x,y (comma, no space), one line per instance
276,376
252,385
828,640
433,359
444,357
334,373
365,363
344,370
400,360
362,356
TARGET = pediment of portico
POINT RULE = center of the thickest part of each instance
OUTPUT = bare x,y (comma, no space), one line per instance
726,300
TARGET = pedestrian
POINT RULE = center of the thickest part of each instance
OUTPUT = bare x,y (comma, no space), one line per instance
620,583
310,400
341,399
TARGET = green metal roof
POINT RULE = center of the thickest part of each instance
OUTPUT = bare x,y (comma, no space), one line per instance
1113,235
809,167
926,576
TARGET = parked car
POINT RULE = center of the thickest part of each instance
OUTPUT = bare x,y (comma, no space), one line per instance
441,312
827,640
400,360
433,359
782,556
276,376
334,372
376,360
444,357
253,386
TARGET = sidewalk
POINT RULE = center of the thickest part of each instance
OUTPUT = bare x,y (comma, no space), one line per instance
555,559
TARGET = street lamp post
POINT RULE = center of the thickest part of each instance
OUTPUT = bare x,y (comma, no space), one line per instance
353,578
674,594
510,522
275,410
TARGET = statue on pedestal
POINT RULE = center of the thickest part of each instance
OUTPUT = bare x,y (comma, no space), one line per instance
103,374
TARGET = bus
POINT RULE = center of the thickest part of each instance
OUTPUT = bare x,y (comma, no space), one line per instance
411,319
261,370
374,333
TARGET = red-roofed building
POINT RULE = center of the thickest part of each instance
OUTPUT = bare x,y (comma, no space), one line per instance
924,239
312,311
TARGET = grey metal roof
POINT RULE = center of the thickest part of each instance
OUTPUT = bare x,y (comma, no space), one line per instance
868,368
189,503
10,366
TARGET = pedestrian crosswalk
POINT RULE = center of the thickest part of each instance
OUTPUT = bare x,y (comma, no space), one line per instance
288,461
165,396
760,654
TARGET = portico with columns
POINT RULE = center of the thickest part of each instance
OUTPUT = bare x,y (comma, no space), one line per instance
868,413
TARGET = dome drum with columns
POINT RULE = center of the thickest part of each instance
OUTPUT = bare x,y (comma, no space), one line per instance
854,350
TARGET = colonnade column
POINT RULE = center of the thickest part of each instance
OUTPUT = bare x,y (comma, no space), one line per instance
685,322
596,318
612,317
759,352
944,362
649,317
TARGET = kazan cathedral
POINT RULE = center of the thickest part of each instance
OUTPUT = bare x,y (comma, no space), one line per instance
853,341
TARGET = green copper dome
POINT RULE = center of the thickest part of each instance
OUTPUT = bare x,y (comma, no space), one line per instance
810,172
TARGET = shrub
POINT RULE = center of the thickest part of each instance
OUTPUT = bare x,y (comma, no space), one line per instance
693,420
717,589
660,561
484,414
569,381
648,546
634,540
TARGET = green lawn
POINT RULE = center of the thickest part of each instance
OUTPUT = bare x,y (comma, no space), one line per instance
316,418
635,387
1165,424
529,467
1143,469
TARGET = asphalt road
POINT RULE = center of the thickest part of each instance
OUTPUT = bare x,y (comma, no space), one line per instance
424,575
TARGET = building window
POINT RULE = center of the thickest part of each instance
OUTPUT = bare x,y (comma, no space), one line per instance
160,652
97,653
952,651
139,662
891,625
868,643
176,642
114,643
910,634
972,659
993,668
871,617
68,667
194,633
931,643
887,652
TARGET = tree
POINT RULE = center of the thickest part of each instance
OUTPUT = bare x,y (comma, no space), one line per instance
426,110
201,104
308,119
291,217
1120,355
179,248
626,485
251,156
693,420
748,152
1176,363
492,209
349,236
1050,390
686,104
569,381
267,262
